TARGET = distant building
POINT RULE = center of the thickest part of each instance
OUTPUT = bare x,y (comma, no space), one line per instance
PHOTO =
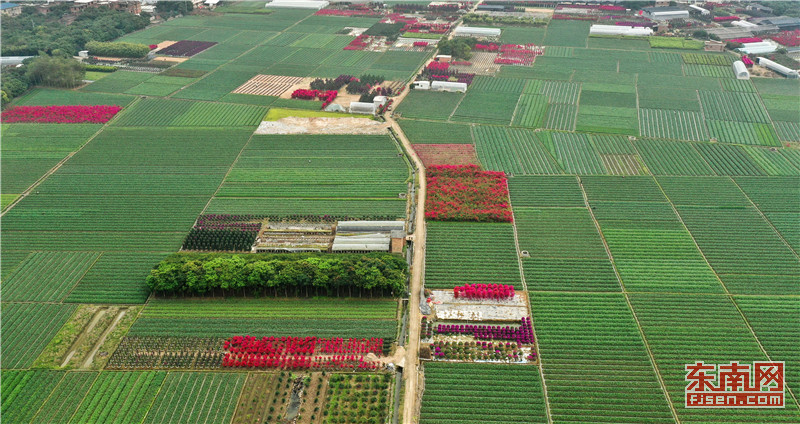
756,7
298,4
696,8
460,87
714,46
465,31
620,30
664,13
758,48
10,9
784,23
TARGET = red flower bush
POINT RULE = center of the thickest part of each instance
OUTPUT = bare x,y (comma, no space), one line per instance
746,40
484,291
327,97
61,114
466,193
420,44
439,66
788,38
153,46
725,18
301,352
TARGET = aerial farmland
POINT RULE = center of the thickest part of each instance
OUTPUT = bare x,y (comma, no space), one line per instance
327,212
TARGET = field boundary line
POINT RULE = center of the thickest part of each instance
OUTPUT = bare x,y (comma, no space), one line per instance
225,177
51,395
55,168
724,287
764,217
625,294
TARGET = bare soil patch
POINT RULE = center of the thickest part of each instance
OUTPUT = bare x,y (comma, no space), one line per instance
296,125
446,154
269,85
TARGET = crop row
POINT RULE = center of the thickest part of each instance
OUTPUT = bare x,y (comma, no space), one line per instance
743,133
171,113
576,154
732,106
47,276
27,328
513,151
540,191
677,124
561,117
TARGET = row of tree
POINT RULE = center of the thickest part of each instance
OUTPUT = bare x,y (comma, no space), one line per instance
58,70
371,274
117,49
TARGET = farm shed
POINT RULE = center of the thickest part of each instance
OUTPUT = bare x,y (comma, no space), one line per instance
740,70
298,4
464,31
619,30
422,85
373,242
758,48
743,24
460,87
777,67
665,13
784,23
361,107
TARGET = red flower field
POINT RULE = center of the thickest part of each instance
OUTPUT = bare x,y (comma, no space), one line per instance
60,114
466,193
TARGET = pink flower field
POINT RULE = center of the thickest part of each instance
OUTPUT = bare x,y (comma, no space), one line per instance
61,114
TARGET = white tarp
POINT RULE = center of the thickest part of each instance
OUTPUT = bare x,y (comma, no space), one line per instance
620,30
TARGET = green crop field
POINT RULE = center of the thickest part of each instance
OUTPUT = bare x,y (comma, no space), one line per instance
493,394
27,328
196,398
514,151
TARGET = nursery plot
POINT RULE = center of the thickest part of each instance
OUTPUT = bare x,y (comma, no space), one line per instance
217,84
772,162
401,62
607,119
522,35
665,57
494,393
728,160
65,398
154,89
567,33
677,124
788,131
618,43
47,276
781,108
743,133
116,278
446,154
730,106
27,328
513,151
30,150
664,157
576,154
487,107
708,59
606,98
268,85
697,70
613,145
561,117
558,233
703,191
430,105
744,86
739,241
119,397
25,391
498,85
118,82
531,111
560,92
622,164
594,339
422,132
567,274
775,322
53,97
558,191
674,70
670,323
673,98
173,113
196,398
461,252
622,189
186,48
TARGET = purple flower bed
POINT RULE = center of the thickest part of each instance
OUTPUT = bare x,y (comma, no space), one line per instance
186,48
522,334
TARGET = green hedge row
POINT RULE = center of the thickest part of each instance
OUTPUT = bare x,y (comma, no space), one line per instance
117,49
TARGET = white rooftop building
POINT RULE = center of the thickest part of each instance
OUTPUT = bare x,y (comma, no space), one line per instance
620,30
665,13
364,108
700,9
740,70
460,87
465,31
298,4
758,48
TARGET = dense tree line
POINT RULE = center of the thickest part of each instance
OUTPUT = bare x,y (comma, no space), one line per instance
58,70
117,49
32,32
459,48
373,274
170,8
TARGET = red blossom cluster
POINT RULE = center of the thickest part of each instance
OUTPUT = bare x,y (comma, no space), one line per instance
725,18
747,61
420,44
788,38
438,66
300,352
327,97
61,114
491,47
426,27
518,54
153,46
356,11
461,63
359,43
466,193
484,291
563,17
398,17
612,8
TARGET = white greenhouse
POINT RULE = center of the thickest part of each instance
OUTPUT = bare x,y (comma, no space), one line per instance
363,108
758,48
464,31
298,4
460,87
777,67
740,70
619,30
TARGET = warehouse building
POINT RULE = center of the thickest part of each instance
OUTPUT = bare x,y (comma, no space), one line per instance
298,4
478,32
369,236
620,30
664,13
